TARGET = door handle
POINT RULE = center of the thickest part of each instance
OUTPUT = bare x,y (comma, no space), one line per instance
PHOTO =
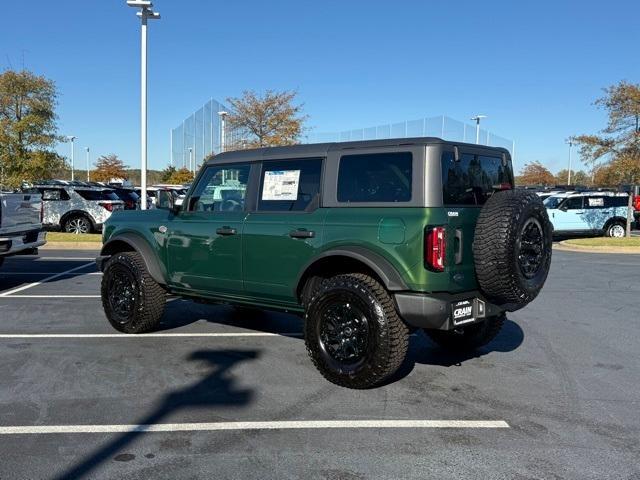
302,234
579,213
226,231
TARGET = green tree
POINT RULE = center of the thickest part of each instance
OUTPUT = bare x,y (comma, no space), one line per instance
264,121
28,130
180,177
619,142
109,167
535,173
167,173
578,177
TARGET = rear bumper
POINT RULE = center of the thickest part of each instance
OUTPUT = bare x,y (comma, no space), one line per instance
434,310
15,243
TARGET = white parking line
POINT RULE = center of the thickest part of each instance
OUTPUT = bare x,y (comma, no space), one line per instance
52,277
280,425
39,259
47,273
49,296
145,335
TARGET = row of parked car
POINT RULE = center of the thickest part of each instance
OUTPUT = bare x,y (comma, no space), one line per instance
83,207
590,212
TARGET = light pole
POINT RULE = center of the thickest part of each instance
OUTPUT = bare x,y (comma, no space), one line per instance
87,149
223,116
71,138
477,119
145,14
570,142
191,159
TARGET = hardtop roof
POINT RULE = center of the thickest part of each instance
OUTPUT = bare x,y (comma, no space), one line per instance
321,149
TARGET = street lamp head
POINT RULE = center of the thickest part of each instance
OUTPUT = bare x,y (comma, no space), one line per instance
87,149
139,3
223,113
71,138
478,117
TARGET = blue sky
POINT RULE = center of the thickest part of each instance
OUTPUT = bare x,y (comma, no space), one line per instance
533,67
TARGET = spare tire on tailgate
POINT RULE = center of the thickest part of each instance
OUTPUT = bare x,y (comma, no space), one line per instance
512,248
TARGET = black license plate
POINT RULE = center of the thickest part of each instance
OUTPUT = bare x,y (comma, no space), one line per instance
462,312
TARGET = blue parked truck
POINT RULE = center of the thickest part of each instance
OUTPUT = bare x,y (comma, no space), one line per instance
588,213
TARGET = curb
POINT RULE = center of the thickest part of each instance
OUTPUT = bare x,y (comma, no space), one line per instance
72,246
563,246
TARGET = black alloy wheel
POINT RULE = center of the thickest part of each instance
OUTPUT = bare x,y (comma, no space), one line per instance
530,248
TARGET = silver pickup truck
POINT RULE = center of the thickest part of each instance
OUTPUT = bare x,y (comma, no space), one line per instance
20,224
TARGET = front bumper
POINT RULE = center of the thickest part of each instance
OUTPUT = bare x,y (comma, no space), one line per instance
15,243
435,311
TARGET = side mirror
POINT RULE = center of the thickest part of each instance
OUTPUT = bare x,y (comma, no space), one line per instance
165,200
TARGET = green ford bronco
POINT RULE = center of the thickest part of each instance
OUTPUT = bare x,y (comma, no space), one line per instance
367,240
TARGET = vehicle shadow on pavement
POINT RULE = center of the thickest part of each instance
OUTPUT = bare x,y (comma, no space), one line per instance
180,313
510,337
217,388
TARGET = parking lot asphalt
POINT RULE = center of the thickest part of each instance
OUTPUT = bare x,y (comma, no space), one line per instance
236,396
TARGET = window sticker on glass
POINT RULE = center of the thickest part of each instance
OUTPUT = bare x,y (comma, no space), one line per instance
596,202
281,185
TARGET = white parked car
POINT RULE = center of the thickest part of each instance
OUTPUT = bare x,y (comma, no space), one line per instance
77,209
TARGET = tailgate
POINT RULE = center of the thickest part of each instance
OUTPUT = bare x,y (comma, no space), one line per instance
459,256
20,212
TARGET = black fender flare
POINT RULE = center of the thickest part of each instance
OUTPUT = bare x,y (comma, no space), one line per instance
389,275
138,244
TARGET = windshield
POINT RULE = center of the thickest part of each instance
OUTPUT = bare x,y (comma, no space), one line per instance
553,202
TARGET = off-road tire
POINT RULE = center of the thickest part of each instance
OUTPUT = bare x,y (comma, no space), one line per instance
68,225
470,337
149,297
387,336
499,243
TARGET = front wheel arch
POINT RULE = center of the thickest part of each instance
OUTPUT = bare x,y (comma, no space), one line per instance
133,243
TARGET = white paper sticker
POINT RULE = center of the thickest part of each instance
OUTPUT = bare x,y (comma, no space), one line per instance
596,202
281,185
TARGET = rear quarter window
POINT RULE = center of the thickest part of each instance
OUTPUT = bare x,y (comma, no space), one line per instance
473,178
376,177
93,195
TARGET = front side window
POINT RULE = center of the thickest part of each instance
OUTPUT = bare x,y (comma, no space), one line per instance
375,177
473,178
573,203
54,194
290,185
221,189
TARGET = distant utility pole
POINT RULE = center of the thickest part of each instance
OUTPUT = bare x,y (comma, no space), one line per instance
223,117
71,139
87,149
477,119
570,142
190,159
145,13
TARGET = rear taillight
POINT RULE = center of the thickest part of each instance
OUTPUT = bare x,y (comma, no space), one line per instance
434,248
108,206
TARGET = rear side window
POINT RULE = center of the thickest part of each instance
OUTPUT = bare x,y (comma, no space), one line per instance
595,202
375,177
290,185
93,195
473,179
